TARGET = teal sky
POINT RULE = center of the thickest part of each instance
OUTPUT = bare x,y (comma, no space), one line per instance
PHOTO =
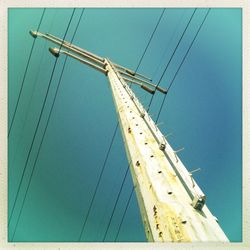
202,109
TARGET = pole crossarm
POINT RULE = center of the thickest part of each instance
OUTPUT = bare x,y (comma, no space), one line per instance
96,62
70,47
171,203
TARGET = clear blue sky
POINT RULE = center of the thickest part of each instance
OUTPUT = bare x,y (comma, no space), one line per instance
203,110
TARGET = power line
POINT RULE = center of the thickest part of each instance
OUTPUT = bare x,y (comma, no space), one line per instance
80,18
47,123
124,212
25,73
171,83
40,115
33,90
150,39
117,198
98,182
167,47
176,47
28,109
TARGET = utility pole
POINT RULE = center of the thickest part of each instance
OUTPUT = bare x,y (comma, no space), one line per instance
171,203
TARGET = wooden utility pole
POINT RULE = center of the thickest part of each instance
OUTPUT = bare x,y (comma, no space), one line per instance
171,203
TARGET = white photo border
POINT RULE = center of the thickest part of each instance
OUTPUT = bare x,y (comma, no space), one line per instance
244,4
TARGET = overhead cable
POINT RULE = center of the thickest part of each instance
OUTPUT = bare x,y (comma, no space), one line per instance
176,47
24,76
124,213
98,182
37,126
167,46
171,83
47,123
18,138
150,40
115,204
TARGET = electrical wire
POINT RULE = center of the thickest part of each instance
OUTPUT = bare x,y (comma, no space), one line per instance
117,198
124,213
27,111
176,47
169,43
150,39
98,182
171,83
40,115
47,123
24,76
29,104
